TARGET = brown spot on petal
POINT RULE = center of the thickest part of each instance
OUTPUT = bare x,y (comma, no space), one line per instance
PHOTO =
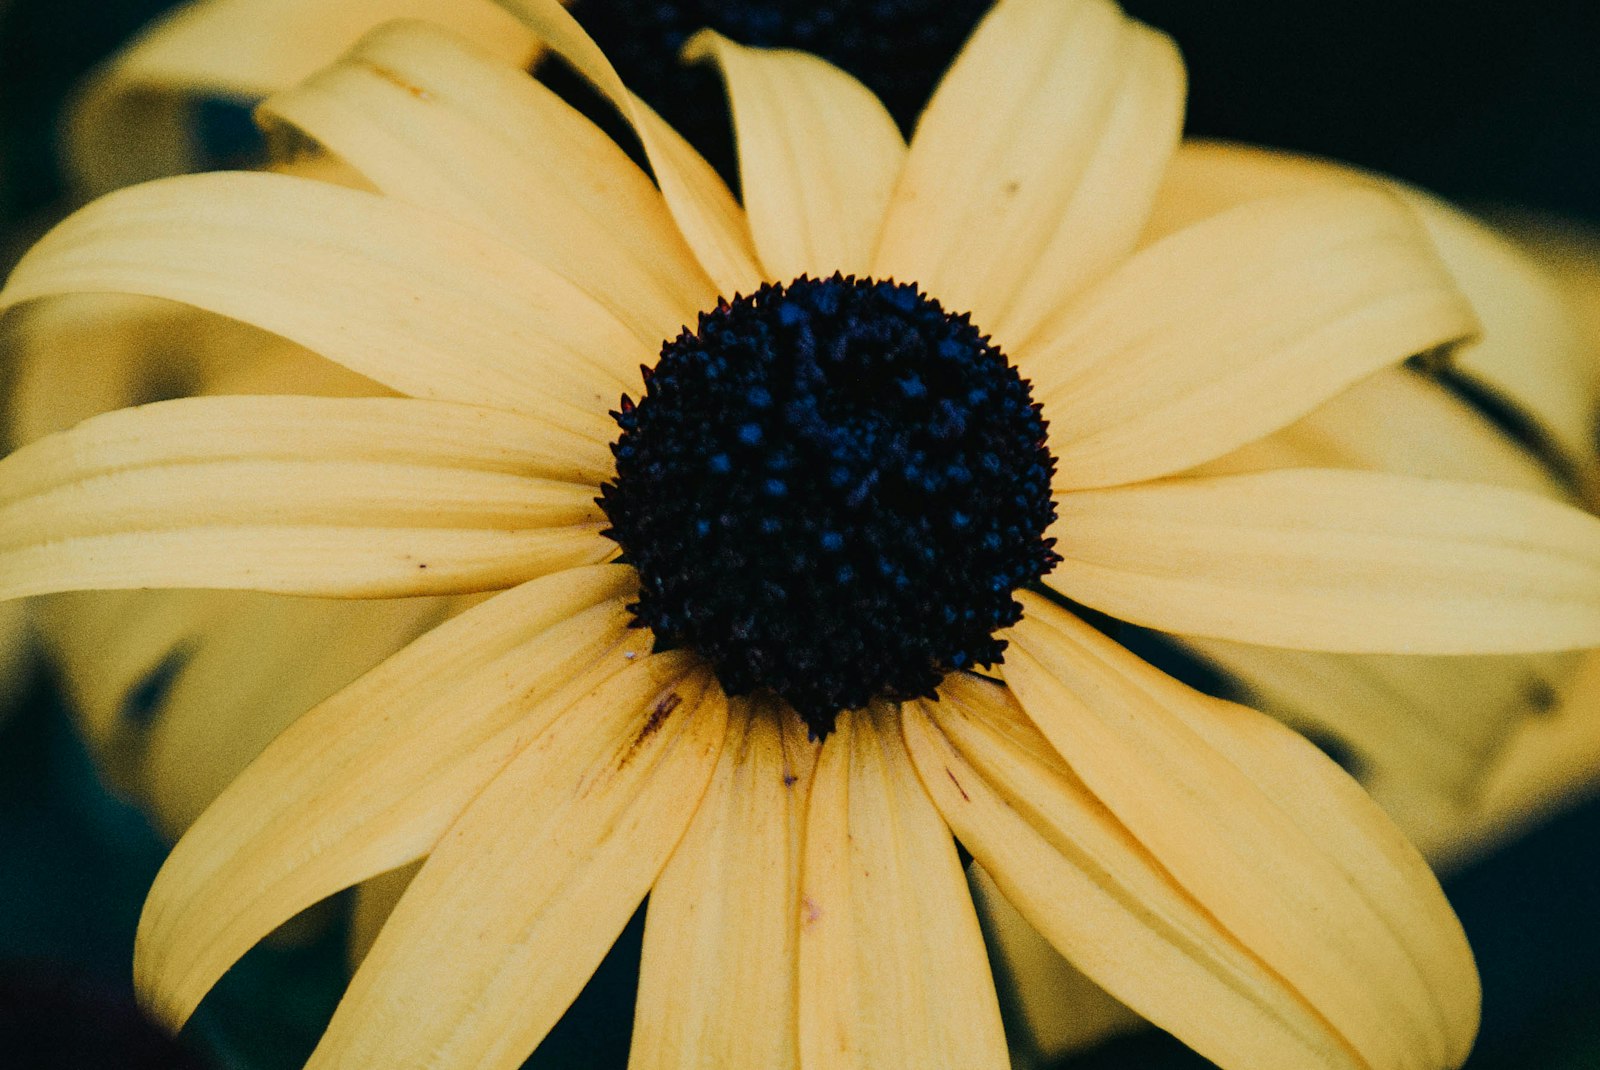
1541,696
658,717
810,913
393,77
957,783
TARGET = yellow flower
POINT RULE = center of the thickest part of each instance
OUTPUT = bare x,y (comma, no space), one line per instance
148,671
1199,861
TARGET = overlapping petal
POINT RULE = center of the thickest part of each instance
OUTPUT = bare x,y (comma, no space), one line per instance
1058,1009
178,691
423,304
1533,349
372,496
710,219
134,120
1032,170
527,890
717,979
143,350
1416,726
892,966
1325,559
1422,725
819,157
1232,328
431,119
1100,897
1337,903
372,778
1397,420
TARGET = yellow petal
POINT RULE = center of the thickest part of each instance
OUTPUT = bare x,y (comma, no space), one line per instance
1335,900
563,446
132,120
706,213
1061,1009
1550,766
304,495
370,779
143,349
1434,725
1397,420
526,892
819,157
178,691
1324,559
428,118
1533,349
1033,167
418,302
1097,894
1233,328
1417,726
717,980
892,964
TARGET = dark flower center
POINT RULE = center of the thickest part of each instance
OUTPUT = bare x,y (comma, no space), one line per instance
830,490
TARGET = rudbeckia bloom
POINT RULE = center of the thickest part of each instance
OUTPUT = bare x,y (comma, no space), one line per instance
150,674
906,412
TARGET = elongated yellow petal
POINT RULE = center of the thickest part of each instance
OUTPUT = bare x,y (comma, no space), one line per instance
1265,832
1098,895
431,120
1235,327
370,779
1436,724
892,966
178,691
1416,725
567,446
315,559
144,349
1060,1008
1396,420
711,221
819,157
526,892
304,495
717,980
1033,167
408,297
132,121
1324,559
1534,348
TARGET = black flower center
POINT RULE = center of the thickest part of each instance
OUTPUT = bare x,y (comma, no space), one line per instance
830,490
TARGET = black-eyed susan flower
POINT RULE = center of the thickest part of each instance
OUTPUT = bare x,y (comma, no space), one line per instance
905,409
148,671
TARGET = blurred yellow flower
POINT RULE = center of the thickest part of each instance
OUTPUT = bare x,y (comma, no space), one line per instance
508,271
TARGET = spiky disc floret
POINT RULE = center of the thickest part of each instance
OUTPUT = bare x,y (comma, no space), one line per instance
830,489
